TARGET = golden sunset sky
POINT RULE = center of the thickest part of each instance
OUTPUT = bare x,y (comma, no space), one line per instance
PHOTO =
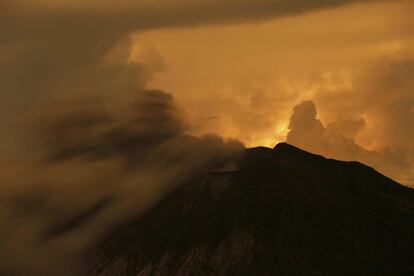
333,77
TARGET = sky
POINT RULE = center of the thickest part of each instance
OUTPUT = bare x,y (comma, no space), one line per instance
242,80
249,75
236,68
106,106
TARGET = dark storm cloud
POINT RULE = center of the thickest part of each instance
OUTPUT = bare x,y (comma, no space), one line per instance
34,19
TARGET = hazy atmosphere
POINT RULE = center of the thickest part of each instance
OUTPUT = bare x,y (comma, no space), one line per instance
160,92
236,68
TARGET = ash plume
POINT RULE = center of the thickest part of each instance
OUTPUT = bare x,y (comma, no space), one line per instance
95,167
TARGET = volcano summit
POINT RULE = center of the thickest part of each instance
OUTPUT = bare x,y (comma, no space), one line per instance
284,211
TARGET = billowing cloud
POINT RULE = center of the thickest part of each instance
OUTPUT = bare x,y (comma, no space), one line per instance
243,80
308,132
340,138
36,72
382,97
57,46
96,165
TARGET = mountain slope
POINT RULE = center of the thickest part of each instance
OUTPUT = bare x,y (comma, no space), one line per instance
285,212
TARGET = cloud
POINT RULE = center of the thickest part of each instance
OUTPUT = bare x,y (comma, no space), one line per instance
308,132
96,167
54,47
36,72
338,140
253,114
381,94
101,146
31,18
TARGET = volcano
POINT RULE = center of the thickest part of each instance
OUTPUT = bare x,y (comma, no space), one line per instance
284,211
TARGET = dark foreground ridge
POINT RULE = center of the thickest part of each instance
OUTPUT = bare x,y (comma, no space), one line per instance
285,212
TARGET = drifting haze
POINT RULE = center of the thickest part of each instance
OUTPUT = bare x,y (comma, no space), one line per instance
96,167
92,145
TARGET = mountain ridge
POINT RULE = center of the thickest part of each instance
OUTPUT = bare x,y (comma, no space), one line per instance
283,211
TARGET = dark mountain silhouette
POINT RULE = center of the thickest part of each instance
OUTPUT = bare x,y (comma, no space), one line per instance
284,212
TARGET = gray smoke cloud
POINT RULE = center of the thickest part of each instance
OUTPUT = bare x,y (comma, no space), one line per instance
96,147
95,167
